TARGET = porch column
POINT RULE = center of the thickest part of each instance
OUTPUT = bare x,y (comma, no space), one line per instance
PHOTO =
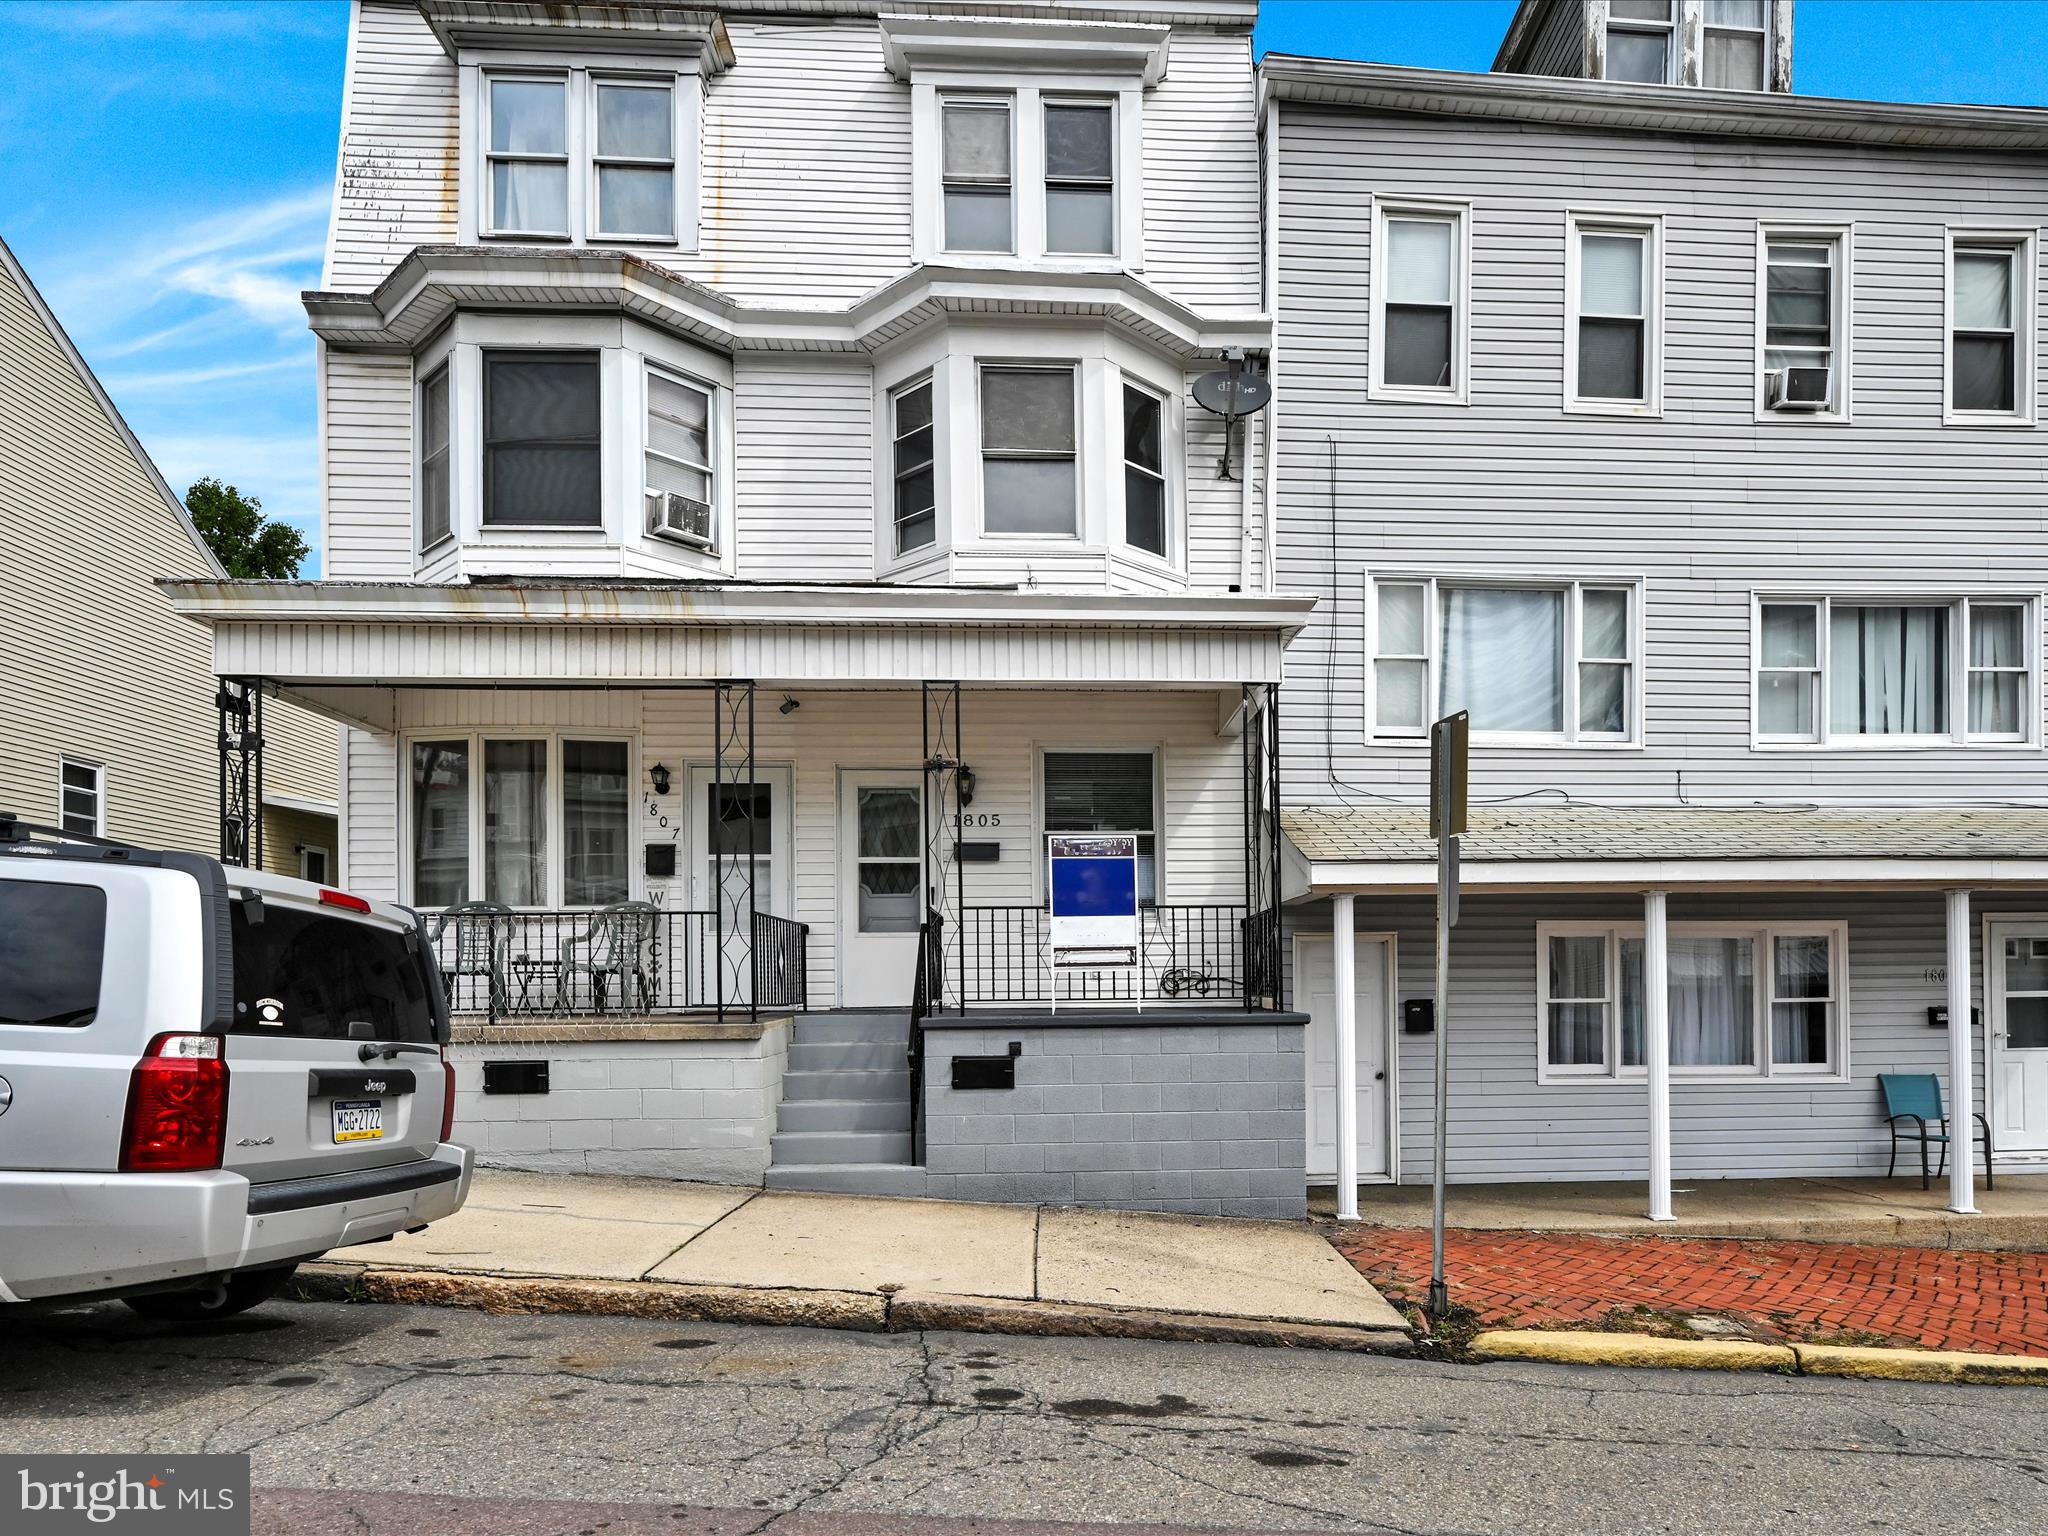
1657,1052
1344,951
1962,1093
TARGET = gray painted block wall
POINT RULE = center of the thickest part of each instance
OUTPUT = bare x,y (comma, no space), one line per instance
1206,1119
681,1109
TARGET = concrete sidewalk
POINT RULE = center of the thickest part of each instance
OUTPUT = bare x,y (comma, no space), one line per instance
584,1242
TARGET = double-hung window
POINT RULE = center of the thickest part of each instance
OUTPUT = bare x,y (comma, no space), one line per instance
975,173
1105,792
1990,305
527,156
1534,662
1735,45
681,481
435,498
542,458
915,493
522,821
1612,356
1420,342
1741,1000
1080,177
1144,471
81,797
634,160
1641,38
1028,451
1803,319
1835,670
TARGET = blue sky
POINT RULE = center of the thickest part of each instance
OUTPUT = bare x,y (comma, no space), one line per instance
166,165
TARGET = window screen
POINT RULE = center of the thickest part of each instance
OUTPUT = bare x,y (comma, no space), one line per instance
975,170
541,440
53,943
1080,204
1027,445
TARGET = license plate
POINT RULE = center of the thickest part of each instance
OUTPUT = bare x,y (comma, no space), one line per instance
358,1120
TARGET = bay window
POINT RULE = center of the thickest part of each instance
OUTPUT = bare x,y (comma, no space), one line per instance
1742,1000
435,502
1080,177
1028,472
1540,662
528,821
975,173
679,473
1837,670
914,484
542,464
1144,472
1613,348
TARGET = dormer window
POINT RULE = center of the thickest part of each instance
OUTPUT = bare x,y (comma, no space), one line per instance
1080,177
1733,56
978,193
1640,38
635,160
529,158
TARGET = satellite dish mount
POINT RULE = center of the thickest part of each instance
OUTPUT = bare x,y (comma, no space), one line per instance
1230,393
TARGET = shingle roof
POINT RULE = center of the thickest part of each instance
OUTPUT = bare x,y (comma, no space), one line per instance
1581,833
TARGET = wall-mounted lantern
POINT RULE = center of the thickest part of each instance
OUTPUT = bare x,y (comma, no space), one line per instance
659,775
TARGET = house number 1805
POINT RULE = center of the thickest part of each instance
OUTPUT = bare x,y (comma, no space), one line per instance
1935,973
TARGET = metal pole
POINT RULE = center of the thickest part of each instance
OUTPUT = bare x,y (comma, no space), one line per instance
1344,952
1447,863
1962,1096
254,804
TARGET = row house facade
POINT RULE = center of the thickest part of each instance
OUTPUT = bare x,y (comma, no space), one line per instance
767,497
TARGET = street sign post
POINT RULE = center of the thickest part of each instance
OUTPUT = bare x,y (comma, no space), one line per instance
1450,742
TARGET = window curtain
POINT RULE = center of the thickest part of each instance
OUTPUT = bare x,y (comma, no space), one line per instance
1713,1002
1888,671
1503,657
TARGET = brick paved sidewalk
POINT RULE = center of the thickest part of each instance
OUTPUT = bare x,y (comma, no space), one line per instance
1803,1292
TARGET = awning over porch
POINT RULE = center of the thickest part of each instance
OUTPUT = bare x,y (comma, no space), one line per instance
1332,849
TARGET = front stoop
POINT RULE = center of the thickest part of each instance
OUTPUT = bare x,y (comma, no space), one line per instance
844,1123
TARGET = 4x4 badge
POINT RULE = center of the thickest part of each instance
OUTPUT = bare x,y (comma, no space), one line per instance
255,1141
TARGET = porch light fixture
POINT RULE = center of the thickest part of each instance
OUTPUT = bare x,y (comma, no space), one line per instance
659,775
788,706
963,784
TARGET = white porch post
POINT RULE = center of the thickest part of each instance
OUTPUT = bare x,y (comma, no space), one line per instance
1657,1052
1962,1095
1344,956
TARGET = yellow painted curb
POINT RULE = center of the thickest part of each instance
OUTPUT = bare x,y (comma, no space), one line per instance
1922,1365
1632,1349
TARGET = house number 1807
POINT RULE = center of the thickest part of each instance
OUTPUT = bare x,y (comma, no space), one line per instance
1935,973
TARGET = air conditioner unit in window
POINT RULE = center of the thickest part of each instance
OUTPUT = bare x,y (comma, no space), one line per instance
672,515
1796,389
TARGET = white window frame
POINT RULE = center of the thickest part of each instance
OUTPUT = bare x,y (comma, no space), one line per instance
1764,50
1156,750
1650,227
669,82
714,437
326,861
1458,214
1841,239
1026,99
1045,179
490,228
1764,967
1168,512
475,222
98,770
1574,590
983,366
556,872
1669,31
982,101
2020,242
443,374
893,541
1824,738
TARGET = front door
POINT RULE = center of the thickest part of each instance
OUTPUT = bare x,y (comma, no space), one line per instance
881,864
1316,985
2017,1027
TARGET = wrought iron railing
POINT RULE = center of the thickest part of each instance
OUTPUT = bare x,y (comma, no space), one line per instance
927,989
1262,962
1190,954
631,960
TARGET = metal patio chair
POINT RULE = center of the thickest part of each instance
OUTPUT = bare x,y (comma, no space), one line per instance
482,946
1916,1096
618,945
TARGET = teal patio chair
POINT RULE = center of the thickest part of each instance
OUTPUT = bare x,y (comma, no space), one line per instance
1916,1096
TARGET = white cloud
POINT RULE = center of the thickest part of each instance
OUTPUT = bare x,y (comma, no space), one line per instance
186,378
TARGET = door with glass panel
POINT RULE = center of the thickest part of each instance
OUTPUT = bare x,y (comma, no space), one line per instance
726,821
881,861
2016,984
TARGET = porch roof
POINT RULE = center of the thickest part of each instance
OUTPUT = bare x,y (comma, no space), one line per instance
1560,847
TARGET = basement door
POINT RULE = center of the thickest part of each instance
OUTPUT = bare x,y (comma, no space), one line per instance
881,863
2017,1028
1315,985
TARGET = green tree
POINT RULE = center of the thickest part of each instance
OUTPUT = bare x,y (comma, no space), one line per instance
249,544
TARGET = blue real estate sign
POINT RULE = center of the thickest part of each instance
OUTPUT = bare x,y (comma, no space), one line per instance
1094,898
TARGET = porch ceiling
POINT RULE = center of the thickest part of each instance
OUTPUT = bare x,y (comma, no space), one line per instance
1552,848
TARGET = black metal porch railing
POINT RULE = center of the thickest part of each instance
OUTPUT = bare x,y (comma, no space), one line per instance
635,960
1191,953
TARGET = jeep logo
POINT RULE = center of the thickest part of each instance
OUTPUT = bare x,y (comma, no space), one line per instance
375,1085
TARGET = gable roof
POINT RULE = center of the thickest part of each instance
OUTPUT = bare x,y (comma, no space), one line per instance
172,503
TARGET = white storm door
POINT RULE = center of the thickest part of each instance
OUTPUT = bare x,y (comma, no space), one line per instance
1316,986
881,868
2017,990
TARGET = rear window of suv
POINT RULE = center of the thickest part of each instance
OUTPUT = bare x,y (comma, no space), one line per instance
53,941
309,976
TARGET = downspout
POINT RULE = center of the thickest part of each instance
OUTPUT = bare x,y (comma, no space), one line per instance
1269,235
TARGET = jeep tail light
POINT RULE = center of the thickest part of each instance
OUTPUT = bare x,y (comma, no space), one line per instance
447,1096
177,1107
343,900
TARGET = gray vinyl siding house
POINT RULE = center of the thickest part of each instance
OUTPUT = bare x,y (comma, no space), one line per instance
1674,537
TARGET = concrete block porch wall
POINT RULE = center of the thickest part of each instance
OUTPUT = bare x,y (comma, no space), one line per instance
1150,1114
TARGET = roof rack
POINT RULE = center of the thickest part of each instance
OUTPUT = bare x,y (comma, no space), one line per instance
14,830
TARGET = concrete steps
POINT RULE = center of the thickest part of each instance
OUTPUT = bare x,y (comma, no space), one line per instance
844,1123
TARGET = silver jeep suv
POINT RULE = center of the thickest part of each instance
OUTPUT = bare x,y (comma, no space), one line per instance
207,1076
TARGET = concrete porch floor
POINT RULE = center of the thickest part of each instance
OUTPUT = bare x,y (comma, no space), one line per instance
1896,1212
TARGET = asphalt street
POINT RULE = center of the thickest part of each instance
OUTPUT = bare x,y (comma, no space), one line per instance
434,1422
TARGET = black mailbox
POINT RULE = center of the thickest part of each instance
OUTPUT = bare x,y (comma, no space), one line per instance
1418,1016
515,1077
661,861
988,1071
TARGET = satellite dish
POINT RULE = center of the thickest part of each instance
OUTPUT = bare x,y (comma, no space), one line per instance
1231,393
